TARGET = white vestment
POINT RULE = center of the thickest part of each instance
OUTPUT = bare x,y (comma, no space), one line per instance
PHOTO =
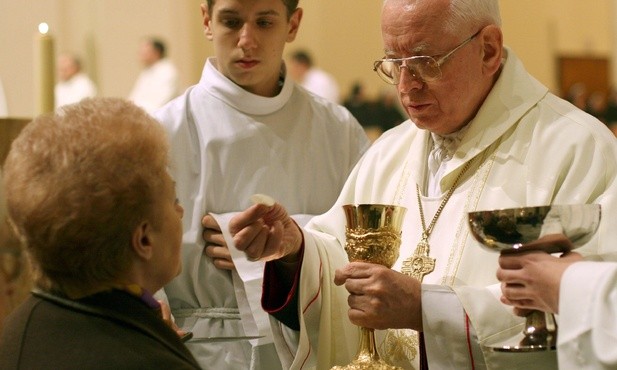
226,145
156,85
74,90
321,83
588,317
528,148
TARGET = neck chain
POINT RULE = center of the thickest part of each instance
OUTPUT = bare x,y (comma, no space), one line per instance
420,264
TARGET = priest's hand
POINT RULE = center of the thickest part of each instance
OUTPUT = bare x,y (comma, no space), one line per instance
216,247
266,233
381,298
531,280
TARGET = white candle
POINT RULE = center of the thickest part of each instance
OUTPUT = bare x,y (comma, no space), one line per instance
44,70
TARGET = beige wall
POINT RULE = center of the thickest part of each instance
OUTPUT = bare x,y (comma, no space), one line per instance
105,33
540,31
344,36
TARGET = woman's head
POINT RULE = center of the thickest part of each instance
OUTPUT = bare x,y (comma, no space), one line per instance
78,183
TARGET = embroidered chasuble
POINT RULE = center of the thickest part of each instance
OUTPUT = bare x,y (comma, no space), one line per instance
400,345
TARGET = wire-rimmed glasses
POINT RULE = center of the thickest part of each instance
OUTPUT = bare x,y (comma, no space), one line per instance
423,67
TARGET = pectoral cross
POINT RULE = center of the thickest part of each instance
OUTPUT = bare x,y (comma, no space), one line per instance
420,264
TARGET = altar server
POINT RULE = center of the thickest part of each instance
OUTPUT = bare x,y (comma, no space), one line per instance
247,128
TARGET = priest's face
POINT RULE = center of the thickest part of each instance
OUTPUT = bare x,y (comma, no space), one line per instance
444,104
249,38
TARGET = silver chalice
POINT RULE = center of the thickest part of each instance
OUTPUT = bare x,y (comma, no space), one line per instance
551,229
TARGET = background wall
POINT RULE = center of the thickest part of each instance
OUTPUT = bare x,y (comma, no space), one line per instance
344,36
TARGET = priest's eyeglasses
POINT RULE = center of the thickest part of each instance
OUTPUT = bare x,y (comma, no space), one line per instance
423,67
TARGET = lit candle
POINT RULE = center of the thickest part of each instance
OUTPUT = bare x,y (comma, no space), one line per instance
44,70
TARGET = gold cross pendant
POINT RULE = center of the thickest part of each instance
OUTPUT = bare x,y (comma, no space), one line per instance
420,264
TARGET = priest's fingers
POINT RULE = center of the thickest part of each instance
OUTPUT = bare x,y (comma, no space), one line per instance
353,270
221,258
247,218
244,237
381,297
209,222
254,250
273,246
364,310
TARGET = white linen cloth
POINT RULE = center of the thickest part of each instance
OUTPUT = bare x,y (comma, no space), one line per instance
532,148
226,145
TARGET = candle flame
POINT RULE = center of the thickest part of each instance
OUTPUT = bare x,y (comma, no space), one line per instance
43,28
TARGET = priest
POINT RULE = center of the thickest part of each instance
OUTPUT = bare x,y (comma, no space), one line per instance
482,134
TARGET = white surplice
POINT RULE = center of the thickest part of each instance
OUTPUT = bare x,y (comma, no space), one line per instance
528,148
588,317
155,86
321,83
73,90
227,144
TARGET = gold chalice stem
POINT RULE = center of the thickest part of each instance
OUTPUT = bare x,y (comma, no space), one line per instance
368,349
367,357
373,234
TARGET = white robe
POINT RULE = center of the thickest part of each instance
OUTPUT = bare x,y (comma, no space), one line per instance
321,83
588,317
74,90
533,148
155,86
227,144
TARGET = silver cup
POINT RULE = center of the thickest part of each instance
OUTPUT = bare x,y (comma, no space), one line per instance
551,229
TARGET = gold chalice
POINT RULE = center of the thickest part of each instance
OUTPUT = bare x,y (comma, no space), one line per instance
550,229
373,234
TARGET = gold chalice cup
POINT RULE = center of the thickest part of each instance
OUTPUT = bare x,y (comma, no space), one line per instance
550,229
373,234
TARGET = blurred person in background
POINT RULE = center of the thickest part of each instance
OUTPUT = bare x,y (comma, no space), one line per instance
157,82
73,84
303,70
